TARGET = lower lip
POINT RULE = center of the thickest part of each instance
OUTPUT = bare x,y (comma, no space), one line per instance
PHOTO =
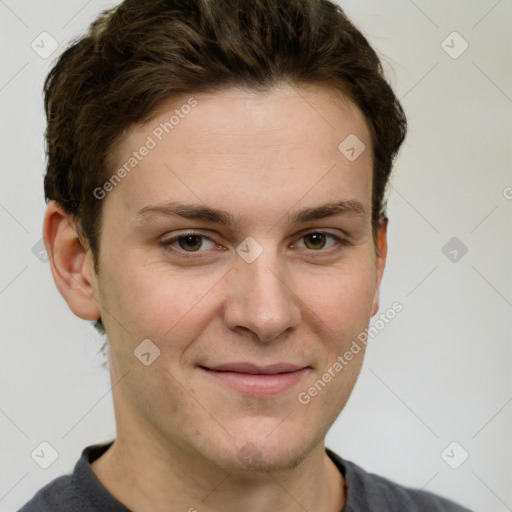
258,385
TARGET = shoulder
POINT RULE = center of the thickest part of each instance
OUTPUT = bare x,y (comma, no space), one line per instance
370,492
80,491
59,495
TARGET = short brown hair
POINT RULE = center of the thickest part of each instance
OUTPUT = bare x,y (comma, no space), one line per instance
141,53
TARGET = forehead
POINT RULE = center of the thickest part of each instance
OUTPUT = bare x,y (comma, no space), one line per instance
236,145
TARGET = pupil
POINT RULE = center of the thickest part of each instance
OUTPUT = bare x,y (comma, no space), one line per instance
316,240
190,242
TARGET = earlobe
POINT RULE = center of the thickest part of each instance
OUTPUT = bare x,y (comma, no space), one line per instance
71,264
382,251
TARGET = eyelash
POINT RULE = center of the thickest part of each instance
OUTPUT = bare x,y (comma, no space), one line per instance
167,244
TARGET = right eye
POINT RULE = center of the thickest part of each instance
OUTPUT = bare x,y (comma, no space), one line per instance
189,242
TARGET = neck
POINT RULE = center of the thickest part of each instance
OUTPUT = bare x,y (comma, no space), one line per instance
144,476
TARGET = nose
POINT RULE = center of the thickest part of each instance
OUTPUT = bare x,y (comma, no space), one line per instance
261,300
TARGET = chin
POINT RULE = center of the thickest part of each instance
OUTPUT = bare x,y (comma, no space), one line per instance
262,454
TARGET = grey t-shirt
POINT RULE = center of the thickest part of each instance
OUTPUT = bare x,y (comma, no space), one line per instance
366,492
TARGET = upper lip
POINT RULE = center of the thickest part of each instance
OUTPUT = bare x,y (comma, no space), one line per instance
254,369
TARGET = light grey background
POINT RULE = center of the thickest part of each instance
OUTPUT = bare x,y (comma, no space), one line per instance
439,372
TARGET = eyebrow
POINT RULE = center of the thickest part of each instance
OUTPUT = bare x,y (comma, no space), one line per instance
207,213
343,207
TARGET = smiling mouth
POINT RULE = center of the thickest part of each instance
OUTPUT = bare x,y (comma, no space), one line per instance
254,380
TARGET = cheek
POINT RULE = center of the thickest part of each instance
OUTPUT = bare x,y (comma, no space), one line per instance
151,301
342,299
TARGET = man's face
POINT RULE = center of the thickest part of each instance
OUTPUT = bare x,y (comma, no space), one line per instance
210,298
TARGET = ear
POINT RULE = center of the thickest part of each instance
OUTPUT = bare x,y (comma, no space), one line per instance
71,264
380,263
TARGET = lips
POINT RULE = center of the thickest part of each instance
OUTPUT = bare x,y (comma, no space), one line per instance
253,369
254,380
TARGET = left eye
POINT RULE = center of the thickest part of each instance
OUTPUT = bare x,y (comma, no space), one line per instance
319,240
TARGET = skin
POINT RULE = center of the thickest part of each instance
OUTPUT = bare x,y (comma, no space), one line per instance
261,157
